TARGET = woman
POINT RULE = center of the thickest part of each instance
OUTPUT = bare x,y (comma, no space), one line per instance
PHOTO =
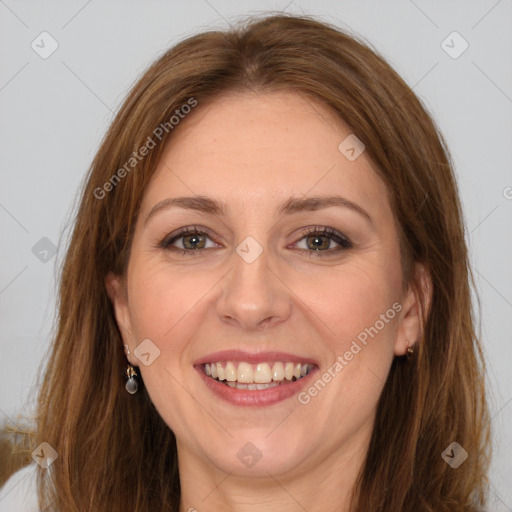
270,249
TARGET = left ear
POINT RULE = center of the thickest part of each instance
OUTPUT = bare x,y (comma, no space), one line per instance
415,305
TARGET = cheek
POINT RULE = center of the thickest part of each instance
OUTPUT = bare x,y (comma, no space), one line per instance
166,307
353,298
358,305
358,308
161,299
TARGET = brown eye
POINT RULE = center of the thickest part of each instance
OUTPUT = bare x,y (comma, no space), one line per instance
321,240
187,241
197,241
317,242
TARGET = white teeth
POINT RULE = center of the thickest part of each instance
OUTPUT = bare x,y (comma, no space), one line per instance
230,372
244,375
263,373
239,385
277,371
266,386
288,371
220,371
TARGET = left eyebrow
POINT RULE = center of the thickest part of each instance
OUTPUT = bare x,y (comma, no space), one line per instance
290,206
296,205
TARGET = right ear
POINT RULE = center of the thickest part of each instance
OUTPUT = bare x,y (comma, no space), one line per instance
116,291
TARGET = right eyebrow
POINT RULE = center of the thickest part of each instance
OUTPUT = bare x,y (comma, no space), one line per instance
199,203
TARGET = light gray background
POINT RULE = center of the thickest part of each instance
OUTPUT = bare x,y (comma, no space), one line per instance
54,112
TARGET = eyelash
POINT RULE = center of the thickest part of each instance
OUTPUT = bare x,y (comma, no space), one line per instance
339,238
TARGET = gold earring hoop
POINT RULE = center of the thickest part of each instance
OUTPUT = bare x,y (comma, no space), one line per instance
410,351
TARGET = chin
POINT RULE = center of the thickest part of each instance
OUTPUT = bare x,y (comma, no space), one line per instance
259,453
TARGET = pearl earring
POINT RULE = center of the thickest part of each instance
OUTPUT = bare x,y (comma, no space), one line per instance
131,384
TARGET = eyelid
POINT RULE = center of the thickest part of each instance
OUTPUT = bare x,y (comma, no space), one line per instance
181,232
326,231
344,243
342,240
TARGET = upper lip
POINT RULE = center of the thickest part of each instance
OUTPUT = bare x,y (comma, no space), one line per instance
253,357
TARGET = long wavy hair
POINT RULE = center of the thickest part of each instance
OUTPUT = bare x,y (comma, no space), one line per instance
115,453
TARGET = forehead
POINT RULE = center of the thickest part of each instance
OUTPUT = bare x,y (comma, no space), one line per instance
252,149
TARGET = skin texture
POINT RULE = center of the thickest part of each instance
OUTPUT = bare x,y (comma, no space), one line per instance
253,152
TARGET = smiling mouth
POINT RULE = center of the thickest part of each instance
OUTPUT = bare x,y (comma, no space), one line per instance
242,375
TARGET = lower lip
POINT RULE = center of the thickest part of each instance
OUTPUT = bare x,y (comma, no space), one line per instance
256,397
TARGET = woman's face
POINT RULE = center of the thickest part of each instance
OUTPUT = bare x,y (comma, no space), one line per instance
275,284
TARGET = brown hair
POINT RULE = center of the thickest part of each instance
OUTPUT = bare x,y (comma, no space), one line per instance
115,451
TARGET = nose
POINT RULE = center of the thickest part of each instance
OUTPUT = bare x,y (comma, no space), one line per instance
253,296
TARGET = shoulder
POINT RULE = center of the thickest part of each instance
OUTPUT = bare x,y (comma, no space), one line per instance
19,493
